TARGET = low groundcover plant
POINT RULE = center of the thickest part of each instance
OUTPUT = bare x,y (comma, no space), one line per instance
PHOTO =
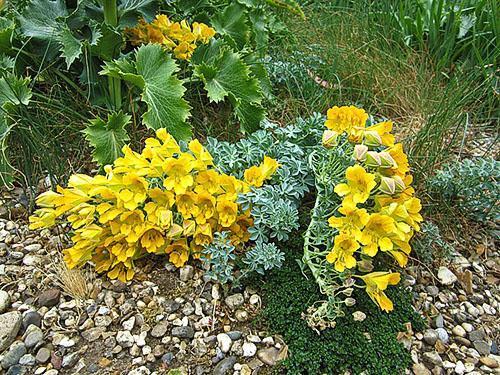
163,201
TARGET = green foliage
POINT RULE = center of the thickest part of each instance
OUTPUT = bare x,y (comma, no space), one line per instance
369,346
219,257
263,257
471,186
107,137
153,72
14,93
225,75
429,245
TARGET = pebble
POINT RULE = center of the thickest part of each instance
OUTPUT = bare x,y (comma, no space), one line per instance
234,301
445,276
482,347
10,323
269,356
43,355
27,360
442,335
49,297
125,339
32,318
13,355
224,342
420,369
185,332
430,336
249,349
159,330
433,358
186,273
225,366
4,301
459,331
489,362
459,368
33,336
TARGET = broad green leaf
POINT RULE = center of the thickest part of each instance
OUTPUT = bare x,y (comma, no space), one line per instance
130,10
40,19
6,64
259,31
6,29
109,44
71,48
227,76
14,92
153,71
232,24
107,137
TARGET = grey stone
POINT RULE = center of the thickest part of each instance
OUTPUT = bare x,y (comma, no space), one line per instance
49,297
32,317
18,370
70,360
4,300
432,290
160,329
249,349
430,336
442,335
268,355
445,276
439,321
224,342
125,339
459,331
482,347
420,369
171,306
234,301
32,336
14,354
234,335
43,355
432,358
476,335
167,358
93,334
225,366
186,273
183,332
10,323
27,360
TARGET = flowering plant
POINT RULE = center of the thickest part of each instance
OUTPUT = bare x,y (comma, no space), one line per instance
179,37
164,200
365,207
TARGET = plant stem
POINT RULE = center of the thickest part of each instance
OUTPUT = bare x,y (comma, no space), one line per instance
114,84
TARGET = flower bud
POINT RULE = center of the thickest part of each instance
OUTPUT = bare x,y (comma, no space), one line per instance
372,138
365,265
350,301
373,159
400,185
349,282
360,152
348,292
329,138
386,160
388,185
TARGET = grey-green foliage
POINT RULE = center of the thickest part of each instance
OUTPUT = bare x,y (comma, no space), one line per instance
263,257
429,245
275,205
219,256
472,185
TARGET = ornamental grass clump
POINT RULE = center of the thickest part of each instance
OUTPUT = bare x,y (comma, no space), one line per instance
179,37
365,208
164,200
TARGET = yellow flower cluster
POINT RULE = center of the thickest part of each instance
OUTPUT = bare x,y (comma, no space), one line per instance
179,37
161,201
379,211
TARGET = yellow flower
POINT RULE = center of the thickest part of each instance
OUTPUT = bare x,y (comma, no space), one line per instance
342,254
352,222
400,158
383,130
203,234
208,181
345,119
376,234
228,212
376,283
42,218
203,157
179,173
134,192
187,204
206,206
256,176
359,184
179,253
152,241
